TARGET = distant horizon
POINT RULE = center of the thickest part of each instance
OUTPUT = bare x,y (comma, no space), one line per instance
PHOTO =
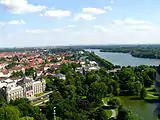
80,45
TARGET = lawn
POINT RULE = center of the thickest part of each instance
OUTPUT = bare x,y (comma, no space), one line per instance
40,94
151,93
108,113
34,103
151,97
83,97
105,99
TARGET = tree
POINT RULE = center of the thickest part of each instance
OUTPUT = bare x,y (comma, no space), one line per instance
92,77
103,71
15,58
147,80
26,118
85,88
25,108
126,75
114,101
19,101
143,93
9,113
113,87
96,92
131,87
55,96
123,113
2,101
65,108
100,114
30,72
40,116
17,74
28,110
138,87
151,72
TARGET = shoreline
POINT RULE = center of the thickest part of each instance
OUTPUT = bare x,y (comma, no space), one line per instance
130,54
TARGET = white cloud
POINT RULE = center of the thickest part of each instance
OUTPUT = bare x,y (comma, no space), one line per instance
16,22
100,28
2,23
91,10
21,6
144,27
133,24
57,13
87,13
117,22
109,8
36,31
111,1
57,30
71,26
12,22
129,21
84,16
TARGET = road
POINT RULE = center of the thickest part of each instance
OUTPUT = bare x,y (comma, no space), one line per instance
41,102
113,110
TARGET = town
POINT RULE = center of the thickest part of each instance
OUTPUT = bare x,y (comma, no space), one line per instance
21,72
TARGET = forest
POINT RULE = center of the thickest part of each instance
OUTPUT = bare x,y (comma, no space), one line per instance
146,51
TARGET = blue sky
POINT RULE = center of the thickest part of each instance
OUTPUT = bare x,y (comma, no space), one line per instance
78,22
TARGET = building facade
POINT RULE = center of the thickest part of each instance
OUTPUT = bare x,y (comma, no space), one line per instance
22,88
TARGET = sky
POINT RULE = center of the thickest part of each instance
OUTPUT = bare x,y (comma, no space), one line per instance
27,23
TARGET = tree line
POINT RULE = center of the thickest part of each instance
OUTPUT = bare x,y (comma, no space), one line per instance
136,51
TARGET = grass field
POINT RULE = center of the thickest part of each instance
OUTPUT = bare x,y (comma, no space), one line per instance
108,113
39,101
152,95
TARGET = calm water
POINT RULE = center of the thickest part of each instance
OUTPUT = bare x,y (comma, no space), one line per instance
141,108
125,59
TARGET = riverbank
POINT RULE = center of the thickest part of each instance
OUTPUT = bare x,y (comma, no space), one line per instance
102,62
152,95
140,52
123,59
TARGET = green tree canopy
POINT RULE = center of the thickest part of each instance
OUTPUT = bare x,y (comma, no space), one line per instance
143,93
26,118
97,91
9,113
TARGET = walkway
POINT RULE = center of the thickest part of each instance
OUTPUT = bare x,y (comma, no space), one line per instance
37,104
113,110
34,99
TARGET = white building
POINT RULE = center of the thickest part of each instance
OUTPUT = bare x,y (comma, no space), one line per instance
3,65
81,52
5,74
93,63
25,87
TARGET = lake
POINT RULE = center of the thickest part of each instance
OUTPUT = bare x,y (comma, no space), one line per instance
124,59
143,109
